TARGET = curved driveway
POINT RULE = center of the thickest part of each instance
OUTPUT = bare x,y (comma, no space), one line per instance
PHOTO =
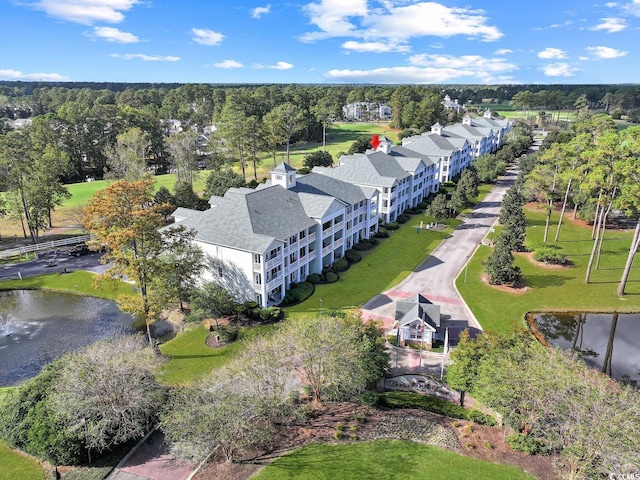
435,276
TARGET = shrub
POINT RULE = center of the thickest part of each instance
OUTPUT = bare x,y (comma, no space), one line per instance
303,171
331,277
477,416
227,333
270,314
546,254
382,233
341,265
352,256
362,246
299,292
313,278
370,398
392,226
525,443
404,218
435,405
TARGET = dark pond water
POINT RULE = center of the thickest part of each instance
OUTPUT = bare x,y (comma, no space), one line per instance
609,342
38,327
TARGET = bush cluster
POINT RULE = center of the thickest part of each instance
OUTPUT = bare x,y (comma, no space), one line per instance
404,218
366,244
382,233
525,443
392,226
254,311
435,405
352,256
341,265
547,254
299,292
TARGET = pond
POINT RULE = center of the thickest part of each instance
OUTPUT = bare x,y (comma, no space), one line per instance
38,327
609,342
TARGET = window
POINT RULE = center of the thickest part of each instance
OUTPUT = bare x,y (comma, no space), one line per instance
303,234
258,279
220,272
292,239
256,258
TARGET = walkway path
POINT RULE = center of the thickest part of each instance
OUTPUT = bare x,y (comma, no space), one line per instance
435,276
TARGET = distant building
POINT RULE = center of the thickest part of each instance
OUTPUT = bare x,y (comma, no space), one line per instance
366,111
452,104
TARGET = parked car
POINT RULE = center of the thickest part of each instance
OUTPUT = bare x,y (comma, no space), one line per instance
80,249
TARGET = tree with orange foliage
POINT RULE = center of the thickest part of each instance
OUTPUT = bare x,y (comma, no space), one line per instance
124,220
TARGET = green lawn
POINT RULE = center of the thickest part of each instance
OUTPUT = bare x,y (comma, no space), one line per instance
380,269
554,289
383,459
80,282
14,466
190,358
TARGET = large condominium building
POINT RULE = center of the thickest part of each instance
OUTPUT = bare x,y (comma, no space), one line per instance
258,242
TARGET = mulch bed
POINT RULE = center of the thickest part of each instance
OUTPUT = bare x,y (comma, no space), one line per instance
363,423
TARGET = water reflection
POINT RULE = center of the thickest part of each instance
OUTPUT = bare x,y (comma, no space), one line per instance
38,327
605,341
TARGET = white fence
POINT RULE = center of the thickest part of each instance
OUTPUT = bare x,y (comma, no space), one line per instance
14,252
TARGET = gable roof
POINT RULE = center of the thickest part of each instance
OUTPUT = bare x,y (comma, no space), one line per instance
250,220
377,169
416,308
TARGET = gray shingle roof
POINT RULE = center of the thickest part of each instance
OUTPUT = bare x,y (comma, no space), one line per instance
325,185
415,308
250,219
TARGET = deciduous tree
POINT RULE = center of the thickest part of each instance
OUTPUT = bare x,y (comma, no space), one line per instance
124,219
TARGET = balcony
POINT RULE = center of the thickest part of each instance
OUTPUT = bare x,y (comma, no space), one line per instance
338,226
327,250
274,282
273,262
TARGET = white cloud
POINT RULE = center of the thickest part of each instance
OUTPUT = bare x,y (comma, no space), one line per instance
611,25
332,18
395,21
111,34
276,66
45,77
632,8
228,64
559,70
281,66
85,12
374,47
502,51
260,11
605,52
206,37
552,53
146,58
429,68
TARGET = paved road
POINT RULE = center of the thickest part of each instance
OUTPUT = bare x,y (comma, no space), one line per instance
435,277
54,261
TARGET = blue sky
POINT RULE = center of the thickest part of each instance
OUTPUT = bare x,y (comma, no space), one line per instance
322,41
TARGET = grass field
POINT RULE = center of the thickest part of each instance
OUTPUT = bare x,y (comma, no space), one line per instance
380,269
189,357
14,466
560,288
67,217
383,459
80,282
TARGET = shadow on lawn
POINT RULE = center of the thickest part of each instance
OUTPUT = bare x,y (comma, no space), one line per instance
544,281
